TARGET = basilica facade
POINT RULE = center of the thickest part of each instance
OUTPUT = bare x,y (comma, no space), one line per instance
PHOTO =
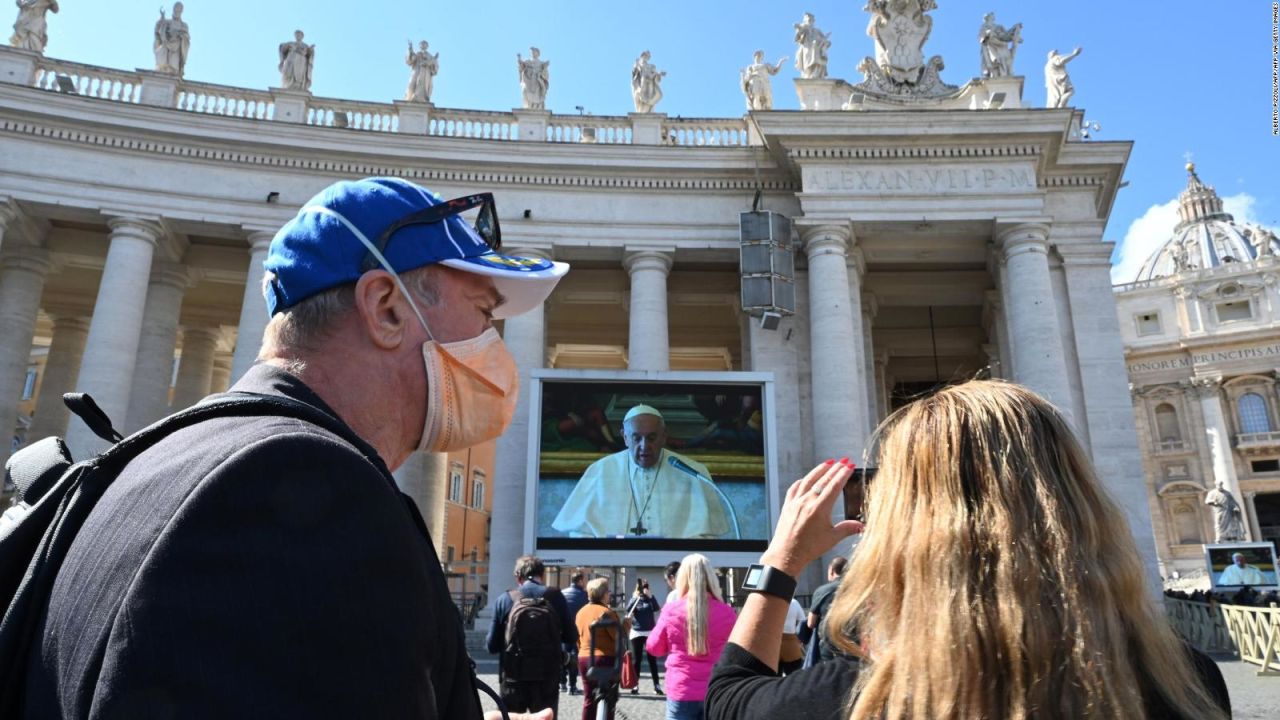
941,233
1201,327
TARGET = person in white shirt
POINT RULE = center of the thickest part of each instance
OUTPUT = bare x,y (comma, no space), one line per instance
1240,573
646,491
791,654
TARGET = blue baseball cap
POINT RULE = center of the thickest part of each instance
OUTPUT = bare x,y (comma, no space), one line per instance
326,243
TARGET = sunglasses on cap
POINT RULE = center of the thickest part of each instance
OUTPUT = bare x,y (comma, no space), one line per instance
485,226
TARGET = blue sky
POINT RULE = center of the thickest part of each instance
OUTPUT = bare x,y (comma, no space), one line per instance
1176,76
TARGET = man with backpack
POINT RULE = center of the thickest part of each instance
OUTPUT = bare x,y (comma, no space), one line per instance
531,626
261,562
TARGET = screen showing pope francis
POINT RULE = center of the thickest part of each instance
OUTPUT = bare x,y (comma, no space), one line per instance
651,465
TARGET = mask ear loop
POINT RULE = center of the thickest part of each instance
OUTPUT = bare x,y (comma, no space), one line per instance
378,256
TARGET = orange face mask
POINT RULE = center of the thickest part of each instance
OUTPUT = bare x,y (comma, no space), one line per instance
472,386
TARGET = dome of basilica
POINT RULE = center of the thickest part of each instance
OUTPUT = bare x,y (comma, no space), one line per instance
1206,236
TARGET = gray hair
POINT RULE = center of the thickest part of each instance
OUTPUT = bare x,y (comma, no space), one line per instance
304,327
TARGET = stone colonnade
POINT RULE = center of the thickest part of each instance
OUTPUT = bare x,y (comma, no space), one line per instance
120,351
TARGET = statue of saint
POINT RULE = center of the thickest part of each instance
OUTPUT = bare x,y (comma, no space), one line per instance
646,84
535,78
811,49
756,84
1058,87
296,62
998,47
173,41
1228,523
30,31
422,79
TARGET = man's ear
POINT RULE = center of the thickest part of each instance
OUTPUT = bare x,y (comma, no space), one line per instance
382,310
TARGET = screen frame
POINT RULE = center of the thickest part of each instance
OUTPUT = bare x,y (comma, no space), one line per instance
1208,562
614,557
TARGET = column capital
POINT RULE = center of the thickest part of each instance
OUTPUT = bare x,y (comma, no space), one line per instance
145,229
70,321
1024,238
174,275
1206,386
259,239
530,252
9,211
201,331
636,260
825,238
27,258
855,260
1085,254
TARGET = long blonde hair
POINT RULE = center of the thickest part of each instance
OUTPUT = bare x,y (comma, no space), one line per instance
996,578
694,581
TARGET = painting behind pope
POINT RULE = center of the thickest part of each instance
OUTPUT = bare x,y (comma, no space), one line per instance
689,464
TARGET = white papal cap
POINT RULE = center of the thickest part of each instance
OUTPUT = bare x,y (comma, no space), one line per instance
642,410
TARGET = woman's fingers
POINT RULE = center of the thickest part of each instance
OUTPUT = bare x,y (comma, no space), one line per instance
814,476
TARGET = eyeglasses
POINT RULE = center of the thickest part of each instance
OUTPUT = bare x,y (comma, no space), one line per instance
486,223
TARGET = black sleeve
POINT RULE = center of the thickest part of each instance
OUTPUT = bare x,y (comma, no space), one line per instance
743,688
498,625
291,583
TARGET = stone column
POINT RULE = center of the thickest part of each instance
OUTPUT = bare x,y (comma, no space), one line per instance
22,274
1032,316
253,308
526,338
195,367
149,396
424,477
778,351
837,420
855,366
1108,414
648,345
869,309
1209,390
111,349
220,381
60,370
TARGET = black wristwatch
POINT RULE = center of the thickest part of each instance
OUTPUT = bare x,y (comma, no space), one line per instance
770,581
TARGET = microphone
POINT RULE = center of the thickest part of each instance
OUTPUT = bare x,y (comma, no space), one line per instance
685,467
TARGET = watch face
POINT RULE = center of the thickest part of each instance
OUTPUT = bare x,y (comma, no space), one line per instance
753,577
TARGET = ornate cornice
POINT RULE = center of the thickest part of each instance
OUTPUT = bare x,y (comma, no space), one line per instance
366,168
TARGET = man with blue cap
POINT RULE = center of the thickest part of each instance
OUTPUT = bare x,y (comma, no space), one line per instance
266,565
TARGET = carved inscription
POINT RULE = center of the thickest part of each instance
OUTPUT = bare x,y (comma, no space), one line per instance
917,180
1207,358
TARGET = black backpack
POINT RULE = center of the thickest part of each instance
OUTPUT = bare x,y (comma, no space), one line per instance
533,650
55,496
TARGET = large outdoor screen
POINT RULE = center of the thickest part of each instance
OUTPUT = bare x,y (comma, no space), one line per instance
1236,565
657,464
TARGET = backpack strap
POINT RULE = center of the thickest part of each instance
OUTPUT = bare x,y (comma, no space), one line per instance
233,404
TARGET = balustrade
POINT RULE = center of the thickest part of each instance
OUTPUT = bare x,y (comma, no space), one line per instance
225,100
88,80
121,86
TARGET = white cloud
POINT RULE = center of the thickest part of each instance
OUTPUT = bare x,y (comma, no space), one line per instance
1146,234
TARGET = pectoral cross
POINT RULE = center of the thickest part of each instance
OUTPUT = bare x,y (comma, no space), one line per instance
639,529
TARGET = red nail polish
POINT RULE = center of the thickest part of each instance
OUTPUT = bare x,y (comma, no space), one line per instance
844,461
830,462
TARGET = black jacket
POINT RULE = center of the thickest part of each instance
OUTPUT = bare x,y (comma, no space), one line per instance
245,568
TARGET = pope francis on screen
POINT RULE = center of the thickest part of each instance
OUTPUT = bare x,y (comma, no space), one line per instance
646,491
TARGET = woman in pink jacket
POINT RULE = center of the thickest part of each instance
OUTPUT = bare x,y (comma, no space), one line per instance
691,632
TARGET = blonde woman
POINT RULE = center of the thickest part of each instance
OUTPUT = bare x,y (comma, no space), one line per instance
995,579
691,632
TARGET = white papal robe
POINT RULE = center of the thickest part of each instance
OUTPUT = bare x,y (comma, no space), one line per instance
1247,575
675,503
